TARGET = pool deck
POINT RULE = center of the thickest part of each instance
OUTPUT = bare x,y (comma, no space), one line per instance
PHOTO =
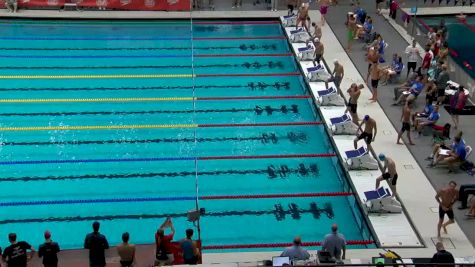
420,204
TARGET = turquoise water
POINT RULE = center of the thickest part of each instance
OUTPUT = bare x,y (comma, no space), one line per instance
458,31
170,186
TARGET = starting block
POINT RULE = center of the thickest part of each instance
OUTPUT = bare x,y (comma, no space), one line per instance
318,73
343,125
330,97
289,21
360,159
306,53
381,201
299,36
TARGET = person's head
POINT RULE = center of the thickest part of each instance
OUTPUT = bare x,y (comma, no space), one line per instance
436,108
12,237
125,237
440,63
382,157
439,246
446,44
461,88
370,20
438,35
418,78
335,62
452,184
414,43
189,233
395,56
427,48
459,135
47,235
314,24
457,139
95,226
444,66
366,118
334,228
316,40
297,241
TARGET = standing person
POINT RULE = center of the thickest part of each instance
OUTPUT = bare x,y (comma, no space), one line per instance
354,91
413,55
126,251
324,4
317,31
442,255
338,73
49,251
441,83
190,249
274,5
351,30
426,61
237,3
378,6
367,134
389,173
12,5
163,250
335,244
457,103
296,251
16,255
393,6
302,16
375,74
291,4
319,50
446,197
96,243
406,123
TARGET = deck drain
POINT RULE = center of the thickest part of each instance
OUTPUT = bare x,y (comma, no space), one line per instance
446,241
408,167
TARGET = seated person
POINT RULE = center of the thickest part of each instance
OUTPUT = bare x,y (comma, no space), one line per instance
360,14
437,147
456,155
411,79
365,30
393,70
296,251
412,93
471,211
420,123
428,108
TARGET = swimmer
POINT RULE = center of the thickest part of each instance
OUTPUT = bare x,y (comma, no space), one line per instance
446,197
302,16
354,91
367,134
389,173
406,123
319,49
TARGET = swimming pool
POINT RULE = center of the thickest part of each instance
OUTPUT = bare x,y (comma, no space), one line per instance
128,122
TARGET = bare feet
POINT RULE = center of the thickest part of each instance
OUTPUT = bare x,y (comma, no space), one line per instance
399,143
412,144
445,229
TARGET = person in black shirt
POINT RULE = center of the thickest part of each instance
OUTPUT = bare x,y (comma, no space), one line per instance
49,250
16,255
97,244
442,255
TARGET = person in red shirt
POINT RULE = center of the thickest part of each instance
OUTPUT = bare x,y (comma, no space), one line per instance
426,61
163,252
457,103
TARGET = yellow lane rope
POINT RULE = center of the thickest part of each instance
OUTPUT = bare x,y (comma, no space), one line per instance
113,76
127,99
100,127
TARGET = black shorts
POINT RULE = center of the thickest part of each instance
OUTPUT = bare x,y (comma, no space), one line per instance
455,111
441,92
379,1
352,107
411,65
374,83
368,138
450,213
406,126
386,176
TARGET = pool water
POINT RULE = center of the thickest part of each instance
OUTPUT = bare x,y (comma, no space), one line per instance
214,125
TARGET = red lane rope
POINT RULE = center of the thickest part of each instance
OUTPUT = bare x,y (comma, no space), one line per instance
323,155
325,194
249,75
241,38
245,55
254,97
235,22
470,27
259,124
282,245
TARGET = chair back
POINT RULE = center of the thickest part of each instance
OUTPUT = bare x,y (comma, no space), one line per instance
468,151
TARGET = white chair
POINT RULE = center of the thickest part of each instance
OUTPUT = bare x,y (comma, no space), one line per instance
306,53
289,21
318,73
343,125
299,36
330,97
361,159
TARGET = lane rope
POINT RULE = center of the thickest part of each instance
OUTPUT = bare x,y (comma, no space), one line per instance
163,38
282,245
157,199
146,76
147,56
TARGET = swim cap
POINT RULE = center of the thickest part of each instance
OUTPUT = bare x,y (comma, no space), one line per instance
381,157
366,117
316,40
47,234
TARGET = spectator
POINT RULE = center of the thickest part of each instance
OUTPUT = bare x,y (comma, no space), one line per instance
12,5
464,191
389,173
16,255
392,71
126,251
446,197
163,250
296,252
441,83
443,52
96,243
49,251
351,29
442,255
291,4
274,4
457,103
428,108
426,61
436,151
420,123
413,55
412,93
431,92
190,248
324,5
457,154
393,6
335,244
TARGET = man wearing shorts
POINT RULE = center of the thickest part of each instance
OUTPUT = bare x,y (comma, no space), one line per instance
406,123
446,197
302,16
324,4
389,173
374,74
413,55
354,92
367,134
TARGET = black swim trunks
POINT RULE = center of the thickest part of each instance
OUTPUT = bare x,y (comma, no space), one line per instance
441,92
374,83
368,138
450,213
406,126
387,176
353,107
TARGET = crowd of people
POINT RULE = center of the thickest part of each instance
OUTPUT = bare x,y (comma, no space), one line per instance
19,253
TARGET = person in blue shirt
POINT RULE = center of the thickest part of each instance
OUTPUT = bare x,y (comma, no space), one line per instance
391,71
456,154
429,121
428,109
412,93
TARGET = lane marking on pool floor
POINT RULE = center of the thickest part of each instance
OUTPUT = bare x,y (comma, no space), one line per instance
151,56
149,99
183,198
68,161
146,76
156,126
